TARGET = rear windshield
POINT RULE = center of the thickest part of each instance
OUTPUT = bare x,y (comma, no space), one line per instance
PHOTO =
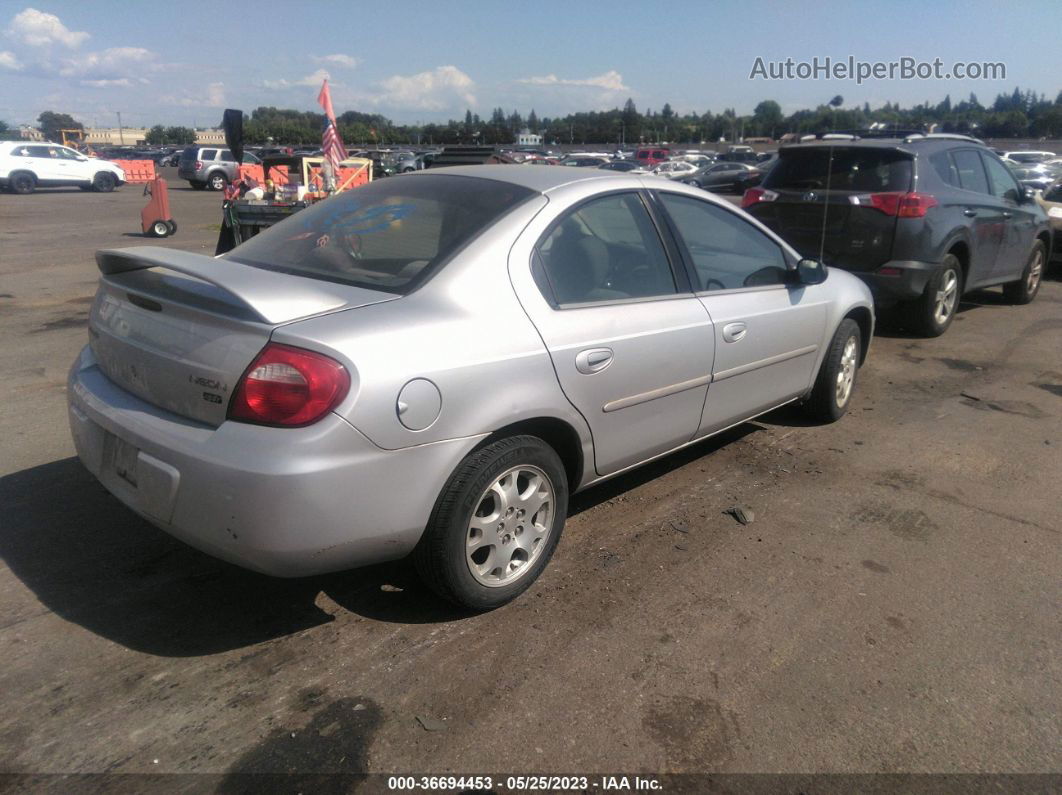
388,235
846,169
191,153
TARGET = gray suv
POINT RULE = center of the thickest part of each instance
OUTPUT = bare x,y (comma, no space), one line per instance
921,219
211,167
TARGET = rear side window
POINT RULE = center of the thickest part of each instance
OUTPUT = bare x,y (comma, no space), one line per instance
606,250
971,172
941,162
727,251
847,169
208,154
388,235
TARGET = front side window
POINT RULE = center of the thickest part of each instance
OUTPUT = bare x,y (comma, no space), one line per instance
971,172
388,235
607,249
1003,185
727,252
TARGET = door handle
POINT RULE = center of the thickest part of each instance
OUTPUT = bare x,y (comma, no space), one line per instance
732,332
969,213
593,360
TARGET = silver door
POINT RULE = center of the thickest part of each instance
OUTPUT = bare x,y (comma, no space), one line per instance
767,330
631,353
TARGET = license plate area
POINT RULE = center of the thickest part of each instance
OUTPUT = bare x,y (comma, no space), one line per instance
120,457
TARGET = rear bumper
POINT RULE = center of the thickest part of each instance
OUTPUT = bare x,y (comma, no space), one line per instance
898,280
286,502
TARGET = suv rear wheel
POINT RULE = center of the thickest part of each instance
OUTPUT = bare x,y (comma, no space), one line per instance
1025,289
931,314
217,181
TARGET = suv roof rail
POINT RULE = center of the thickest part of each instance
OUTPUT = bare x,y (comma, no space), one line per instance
942,136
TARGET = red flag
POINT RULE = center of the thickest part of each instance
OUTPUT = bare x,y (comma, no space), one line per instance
324,99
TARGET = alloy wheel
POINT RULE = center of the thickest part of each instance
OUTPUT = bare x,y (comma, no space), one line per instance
847,372
510,525
947,297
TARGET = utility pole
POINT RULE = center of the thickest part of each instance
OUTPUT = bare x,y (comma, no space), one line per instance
121,132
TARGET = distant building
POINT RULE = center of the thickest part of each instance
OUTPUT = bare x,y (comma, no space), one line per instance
210,136
527,138
116,136
27,133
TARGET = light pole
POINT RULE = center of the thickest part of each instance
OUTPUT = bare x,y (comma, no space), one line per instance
121,132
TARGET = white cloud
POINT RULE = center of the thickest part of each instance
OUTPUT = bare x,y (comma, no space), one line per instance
122,81
313,80
216,95
9,61
338,59
440,89
40,29
609,81
116,63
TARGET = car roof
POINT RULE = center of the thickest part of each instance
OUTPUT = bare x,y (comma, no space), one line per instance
540,180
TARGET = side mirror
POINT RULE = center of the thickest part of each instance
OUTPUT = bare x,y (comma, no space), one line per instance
809,271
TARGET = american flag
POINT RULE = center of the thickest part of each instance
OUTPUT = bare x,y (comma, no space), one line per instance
331,144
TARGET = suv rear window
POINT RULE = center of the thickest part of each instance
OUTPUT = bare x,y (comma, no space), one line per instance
846,169
388,235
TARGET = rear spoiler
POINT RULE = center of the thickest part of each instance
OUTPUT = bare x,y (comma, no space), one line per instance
272,297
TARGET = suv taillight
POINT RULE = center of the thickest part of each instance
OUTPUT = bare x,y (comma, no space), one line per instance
288,387
755,195
198,165
899,205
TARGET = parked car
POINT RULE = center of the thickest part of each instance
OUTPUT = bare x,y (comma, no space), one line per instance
1028,156
624,167
674,169
323,396
585,161
738,156
210,166
650,156
922,220
26,166
1051,202
1035,176
736,177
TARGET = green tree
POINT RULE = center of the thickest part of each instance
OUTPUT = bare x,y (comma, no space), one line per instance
767,118
51,123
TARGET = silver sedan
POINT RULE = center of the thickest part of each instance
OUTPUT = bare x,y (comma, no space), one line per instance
431,365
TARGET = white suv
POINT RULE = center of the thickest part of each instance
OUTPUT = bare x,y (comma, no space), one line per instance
25,165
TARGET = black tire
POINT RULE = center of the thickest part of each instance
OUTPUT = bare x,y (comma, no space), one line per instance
22,183
1025,289
197,185
826,403
173,226
216,181
104,182
441,557
159,229
930,314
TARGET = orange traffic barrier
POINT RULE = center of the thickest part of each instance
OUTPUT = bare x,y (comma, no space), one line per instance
137,170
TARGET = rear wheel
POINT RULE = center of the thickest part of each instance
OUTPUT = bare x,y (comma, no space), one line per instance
496,523
932,313
837,375
1025,289
216,181
104,182
173,226
22,183
159,229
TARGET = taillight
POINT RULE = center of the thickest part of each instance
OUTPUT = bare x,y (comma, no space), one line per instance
900,205
289,387
198,165
755,195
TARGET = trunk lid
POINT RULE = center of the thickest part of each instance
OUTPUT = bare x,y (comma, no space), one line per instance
838,224
178,329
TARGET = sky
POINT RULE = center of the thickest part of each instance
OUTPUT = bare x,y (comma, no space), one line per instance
183,63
